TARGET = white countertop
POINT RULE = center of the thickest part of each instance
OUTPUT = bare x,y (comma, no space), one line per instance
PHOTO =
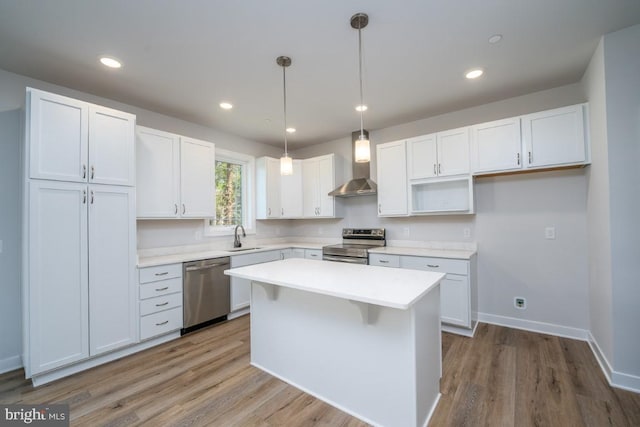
426,252
387,287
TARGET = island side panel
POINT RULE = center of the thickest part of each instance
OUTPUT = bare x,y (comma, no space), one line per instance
321,345
428,355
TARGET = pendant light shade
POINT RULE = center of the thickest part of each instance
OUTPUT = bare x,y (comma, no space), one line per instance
362,149
286,163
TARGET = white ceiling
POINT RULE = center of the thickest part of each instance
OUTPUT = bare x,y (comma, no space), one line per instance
182,58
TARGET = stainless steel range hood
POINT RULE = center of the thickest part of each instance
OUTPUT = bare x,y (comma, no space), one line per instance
361,184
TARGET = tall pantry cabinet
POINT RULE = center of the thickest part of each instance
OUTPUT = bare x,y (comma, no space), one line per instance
79,249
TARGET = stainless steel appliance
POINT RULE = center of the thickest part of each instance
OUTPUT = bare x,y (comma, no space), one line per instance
206,292
355,245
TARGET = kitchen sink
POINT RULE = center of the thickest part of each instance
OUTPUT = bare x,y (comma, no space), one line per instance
242,249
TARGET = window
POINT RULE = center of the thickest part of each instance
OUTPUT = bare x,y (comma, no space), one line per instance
234,193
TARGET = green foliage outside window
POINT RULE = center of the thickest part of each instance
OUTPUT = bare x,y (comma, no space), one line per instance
228,193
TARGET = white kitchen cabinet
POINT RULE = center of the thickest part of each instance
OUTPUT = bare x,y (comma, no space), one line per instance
297,253
81,266
241,288
384,260
496,146
438,154
555,137
197,179
422,157
74,141
175,175
319,178
286,253
268,188
291,192
160,289
452,195
113,319
391,158
56,301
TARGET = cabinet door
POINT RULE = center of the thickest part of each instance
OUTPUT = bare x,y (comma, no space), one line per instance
157,173
58,137
554,137
496,146
422,157
326,184
111,146
392,178
112,257
454,300
291,189
57,275
273,188
453,152
197,179
310,192
241,288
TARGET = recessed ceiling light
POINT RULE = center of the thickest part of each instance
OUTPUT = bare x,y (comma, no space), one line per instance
474,74
110,62
361,108
226,106
291,130
496,38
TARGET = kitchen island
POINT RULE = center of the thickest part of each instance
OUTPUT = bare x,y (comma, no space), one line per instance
364,339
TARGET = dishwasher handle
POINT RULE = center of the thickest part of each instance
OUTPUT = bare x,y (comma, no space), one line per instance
207,266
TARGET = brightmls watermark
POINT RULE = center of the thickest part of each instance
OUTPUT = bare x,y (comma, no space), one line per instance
34,415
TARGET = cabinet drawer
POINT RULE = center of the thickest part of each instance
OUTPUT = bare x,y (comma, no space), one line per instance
160,323
441,265
384,260
162,287
160,272
154,305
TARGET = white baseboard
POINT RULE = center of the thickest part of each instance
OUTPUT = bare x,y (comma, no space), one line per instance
10,364
535,326
615,379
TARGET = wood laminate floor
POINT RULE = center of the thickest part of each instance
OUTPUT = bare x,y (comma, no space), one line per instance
502,377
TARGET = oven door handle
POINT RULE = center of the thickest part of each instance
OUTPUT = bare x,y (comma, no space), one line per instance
345,259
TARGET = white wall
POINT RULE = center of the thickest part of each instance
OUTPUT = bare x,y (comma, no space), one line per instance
622,77
514,259
10,313
598,218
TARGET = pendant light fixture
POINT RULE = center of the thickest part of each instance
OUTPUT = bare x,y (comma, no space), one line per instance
286,163
362,150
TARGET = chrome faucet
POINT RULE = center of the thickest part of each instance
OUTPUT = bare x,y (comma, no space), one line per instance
236,240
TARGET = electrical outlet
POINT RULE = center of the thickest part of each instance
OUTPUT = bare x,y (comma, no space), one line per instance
550,233
0,246
466,232
520,303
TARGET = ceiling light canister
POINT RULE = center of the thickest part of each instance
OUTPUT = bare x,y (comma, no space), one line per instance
474,74
286,163
110,62
362,149
226,105
291,130
361,108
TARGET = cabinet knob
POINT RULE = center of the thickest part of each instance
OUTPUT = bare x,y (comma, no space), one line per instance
184,209
379,208
163,304
435,172
176,210
433,265
93,171
384,261
162,289
92,196
269,212
84,197
530,157
518,159
439,168
162,323
84,171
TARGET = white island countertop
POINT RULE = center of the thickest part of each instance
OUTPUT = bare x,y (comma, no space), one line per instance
387,287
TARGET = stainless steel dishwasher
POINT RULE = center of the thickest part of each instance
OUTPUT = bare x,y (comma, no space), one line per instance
206,292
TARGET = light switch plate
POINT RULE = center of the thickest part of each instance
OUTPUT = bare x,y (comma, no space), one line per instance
550,233
0,246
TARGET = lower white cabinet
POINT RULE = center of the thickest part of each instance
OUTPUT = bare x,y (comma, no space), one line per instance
313,254
241,288
79,273
160,291
458,296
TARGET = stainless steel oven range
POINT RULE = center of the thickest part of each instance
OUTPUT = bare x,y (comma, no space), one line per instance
355,245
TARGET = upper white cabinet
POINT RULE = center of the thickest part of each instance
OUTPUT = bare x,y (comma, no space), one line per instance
391,158
291,192
318,179
555,137
71,140
304,194
422,157
496,146
438,154
175,175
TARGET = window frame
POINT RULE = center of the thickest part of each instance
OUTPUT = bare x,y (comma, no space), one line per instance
248,194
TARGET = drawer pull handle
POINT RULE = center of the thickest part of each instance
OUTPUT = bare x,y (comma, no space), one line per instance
162,289
163,304
162,323
384,261
433,265
164,273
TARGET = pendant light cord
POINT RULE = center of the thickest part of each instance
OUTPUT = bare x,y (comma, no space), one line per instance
284,91
360,75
